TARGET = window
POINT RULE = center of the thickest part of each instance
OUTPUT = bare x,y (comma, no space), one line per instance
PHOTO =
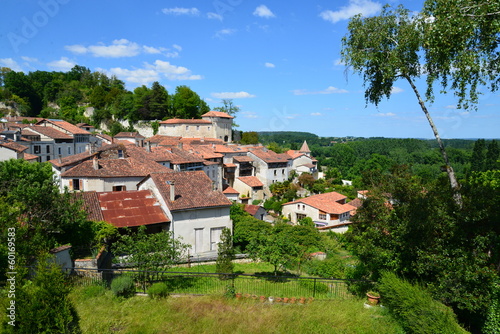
69,150
301,216
36,149
75,184
322,216
197,128
59,150
120,154
119,188
187,127
47,149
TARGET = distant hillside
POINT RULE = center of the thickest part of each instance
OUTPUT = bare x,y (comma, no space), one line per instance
266,137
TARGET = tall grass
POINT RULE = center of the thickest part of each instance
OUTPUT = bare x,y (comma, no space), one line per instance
209,314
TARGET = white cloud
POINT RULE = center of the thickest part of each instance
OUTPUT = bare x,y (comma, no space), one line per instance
270,65
224,32
451,106
181,11
249,114
329,90
29,59
232,95
388,114
214,16
10,63
338,62
263,11
396,90
364,7
121,48
316,114
153,72
63,64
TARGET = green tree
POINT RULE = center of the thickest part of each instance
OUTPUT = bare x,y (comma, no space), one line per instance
158,102
187,104
277,247
42,303
229,108
251,137
492,156
149,252
478,158
386,48
225,254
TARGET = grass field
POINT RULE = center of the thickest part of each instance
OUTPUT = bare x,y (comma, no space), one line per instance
101,312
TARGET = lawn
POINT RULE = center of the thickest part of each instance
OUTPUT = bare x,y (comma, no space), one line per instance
101,312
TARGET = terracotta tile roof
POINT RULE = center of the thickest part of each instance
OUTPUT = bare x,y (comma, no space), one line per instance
123,208
156,139
90,204
131,208
305,148
192,190
269,156
308,165
65,126
59,249
201,141
76,158
14,146
230,165
327,202
81,125
252,181
27,132
49,132
29,157
252,209
357,202
185,121
104,137
203,151
230,190
242,158
126,167
129,135
217,114
294,154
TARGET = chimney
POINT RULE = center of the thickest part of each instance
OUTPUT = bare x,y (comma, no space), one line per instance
148,146
95,163
180,145
172,190
60,159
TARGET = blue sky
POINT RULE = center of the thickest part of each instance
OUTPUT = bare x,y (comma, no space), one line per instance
278,61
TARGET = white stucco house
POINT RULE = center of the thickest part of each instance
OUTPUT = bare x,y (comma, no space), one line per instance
329,209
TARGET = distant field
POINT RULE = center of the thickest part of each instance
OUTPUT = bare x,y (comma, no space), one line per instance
103,313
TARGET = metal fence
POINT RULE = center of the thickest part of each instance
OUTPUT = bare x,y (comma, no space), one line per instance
215,283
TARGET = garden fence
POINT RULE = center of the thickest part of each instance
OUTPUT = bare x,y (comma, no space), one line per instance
216,283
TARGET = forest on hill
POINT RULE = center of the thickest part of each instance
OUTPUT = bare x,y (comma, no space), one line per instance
67,95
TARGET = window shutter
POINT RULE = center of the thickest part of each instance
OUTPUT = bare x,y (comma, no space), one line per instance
70,184
81,185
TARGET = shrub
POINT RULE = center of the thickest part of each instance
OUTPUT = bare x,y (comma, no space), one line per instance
158,290
414,307
123,286
309,284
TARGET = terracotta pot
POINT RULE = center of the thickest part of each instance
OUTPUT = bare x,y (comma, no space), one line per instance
286,300
262,298
278,300
293,300
247,295
310,300
372,300
239,295
302,300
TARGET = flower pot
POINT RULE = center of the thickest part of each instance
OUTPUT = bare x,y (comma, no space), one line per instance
239,295
293,300
262,298
373,300
286,300
302,300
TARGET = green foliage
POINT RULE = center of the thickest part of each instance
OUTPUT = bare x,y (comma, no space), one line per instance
328,268
158,290
123,286
225,254
149,252
415,308
492,323
42,303
317,287
307,221
245,227
248,138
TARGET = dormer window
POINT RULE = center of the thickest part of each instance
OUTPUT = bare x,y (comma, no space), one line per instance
120,154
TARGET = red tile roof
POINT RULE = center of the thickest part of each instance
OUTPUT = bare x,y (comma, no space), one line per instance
269,156
252,209
127,167
327,202
185,121
14,146
230,190
123,208
193,190
242,158
129,135
65,126
217,114
29,157
251,181
49,132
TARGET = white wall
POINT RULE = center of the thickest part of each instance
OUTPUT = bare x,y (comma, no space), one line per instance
6,154
104,184
185,223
